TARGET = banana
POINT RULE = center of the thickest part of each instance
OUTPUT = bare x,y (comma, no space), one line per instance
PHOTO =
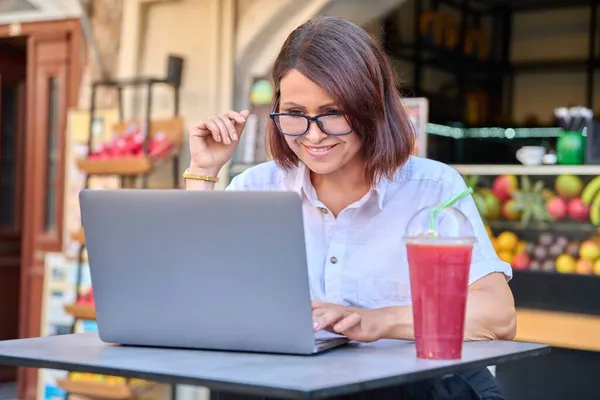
590,191
595,211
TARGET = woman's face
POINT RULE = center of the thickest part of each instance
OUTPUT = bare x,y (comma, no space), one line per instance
321,153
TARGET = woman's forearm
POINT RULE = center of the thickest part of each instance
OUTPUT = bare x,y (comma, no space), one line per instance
398,323
490,313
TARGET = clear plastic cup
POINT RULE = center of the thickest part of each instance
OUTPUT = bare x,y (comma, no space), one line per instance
439,261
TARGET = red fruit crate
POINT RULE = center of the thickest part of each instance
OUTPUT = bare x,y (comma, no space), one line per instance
168,138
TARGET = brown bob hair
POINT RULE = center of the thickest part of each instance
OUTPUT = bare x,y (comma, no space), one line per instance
350,65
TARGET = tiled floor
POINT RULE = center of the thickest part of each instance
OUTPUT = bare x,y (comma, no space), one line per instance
8,391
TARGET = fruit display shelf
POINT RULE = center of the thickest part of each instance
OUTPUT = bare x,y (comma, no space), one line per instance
547,226
538,220
125,155
545,222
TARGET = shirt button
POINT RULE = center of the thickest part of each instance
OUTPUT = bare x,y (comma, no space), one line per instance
333,260
324,210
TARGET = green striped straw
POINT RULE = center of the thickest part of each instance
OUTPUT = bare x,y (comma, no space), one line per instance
446,204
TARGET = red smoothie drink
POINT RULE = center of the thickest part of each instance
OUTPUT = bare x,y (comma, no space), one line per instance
439,277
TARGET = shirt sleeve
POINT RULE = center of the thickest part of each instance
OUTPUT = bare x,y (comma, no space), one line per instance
235,184
245,180
263,177
484,260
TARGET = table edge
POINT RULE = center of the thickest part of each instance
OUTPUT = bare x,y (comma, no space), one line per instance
289,393
320,393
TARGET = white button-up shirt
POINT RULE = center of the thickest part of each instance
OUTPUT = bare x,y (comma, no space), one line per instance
359,258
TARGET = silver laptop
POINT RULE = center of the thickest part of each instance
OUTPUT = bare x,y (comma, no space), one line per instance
201,269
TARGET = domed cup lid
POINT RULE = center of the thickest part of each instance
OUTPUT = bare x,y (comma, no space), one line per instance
442,224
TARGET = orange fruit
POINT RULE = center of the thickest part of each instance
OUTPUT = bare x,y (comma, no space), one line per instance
507,241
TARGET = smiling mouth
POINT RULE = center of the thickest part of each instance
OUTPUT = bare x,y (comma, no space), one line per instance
319,149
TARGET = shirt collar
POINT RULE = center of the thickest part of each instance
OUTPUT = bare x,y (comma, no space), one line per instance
302,185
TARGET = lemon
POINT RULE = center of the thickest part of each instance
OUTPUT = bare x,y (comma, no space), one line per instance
507,241
597,267
565,264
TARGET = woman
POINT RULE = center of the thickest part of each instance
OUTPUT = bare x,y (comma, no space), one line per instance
340,138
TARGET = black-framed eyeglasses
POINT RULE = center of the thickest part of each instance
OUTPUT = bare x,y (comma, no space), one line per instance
292,124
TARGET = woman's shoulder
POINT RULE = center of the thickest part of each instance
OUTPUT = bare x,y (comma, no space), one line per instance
263,176
425,169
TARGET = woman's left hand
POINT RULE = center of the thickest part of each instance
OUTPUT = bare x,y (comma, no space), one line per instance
357,324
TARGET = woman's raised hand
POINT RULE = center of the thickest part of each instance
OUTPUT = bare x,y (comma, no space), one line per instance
213,141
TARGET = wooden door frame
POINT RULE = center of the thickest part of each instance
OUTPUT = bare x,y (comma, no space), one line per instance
30,311
13,233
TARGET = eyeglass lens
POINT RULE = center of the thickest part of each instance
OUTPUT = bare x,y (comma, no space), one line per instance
299,124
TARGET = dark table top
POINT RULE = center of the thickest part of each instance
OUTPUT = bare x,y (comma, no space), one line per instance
347,369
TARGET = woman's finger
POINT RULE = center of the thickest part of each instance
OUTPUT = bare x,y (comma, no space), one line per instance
348,322
236,116
318,313
199,130
328,318
232,133
223,129
214,129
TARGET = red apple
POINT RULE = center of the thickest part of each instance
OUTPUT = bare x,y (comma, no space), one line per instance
578,211
504,186
521,261
556,208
